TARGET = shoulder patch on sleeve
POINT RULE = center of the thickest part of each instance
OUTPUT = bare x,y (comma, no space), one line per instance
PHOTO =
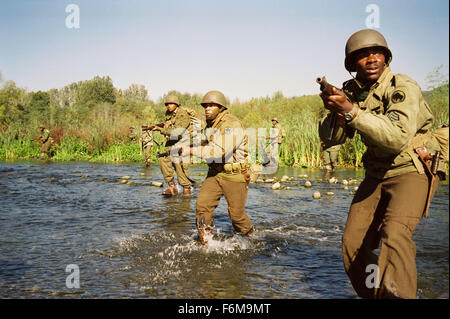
398,96
393,116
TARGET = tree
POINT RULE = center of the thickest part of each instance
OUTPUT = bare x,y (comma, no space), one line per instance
136,93
39,107
12,101
95,91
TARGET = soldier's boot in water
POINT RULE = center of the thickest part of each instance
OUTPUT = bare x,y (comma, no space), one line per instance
172,190
187,191
328,168
205,234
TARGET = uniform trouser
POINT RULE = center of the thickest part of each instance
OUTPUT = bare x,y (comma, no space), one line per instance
45,149
146,152
168,169
270,154
330,158
387,210
212,190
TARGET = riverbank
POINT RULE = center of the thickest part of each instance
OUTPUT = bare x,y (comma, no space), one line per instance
71,150
74,150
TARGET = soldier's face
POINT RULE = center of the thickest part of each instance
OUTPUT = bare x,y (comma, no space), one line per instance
274,122
211,111
370,64
171,107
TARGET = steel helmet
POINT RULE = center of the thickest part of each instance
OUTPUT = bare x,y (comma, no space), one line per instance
362,39
171,99
216,97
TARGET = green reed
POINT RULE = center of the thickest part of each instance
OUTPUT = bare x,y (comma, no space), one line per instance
104,137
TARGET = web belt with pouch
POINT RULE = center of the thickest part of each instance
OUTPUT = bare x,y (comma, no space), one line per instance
232,168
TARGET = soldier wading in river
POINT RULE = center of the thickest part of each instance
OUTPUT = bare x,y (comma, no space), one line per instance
146,145
226,152
46,142
177,125
269,156
394,121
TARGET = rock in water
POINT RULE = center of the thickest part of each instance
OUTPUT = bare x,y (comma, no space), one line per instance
277,185
308,184
157,184
333,180
316,195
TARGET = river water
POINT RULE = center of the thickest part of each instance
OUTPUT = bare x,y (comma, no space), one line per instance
128,241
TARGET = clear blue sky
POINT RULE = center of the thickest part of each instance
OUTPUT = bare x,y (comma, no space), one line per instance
245,48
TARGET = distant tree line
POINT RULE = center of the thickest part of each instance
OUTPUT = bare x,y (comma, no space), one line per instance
93,118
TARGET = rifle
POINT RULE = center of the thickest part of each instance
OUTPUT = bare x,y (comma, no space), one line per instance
327,89
152,127
178,150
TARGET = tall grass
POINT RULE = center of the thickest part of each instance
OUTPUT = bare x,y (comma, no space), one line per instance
103,137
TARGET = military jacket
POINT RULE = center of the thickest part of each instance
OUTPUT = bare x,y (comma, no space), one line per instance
177,126
227,150
147,138
281,133
45,136
392,112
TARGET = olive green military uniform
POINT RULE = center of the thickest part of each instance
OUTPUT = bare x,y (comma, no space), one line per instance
176,123
147,144
46,143
281,133
227,156
270,149
390,202
330,156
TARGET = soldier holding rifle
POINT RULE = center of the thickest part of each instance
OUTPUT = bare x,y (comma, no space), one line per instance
225,150
177,125
394,121
46,142
146,144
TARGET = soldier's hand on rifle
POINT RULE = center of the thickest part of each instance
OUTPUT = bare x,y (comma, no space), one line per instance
337,102
157,128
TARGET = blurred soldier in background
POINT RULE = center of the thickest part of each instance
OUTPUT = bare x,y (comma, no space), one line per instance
46,142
